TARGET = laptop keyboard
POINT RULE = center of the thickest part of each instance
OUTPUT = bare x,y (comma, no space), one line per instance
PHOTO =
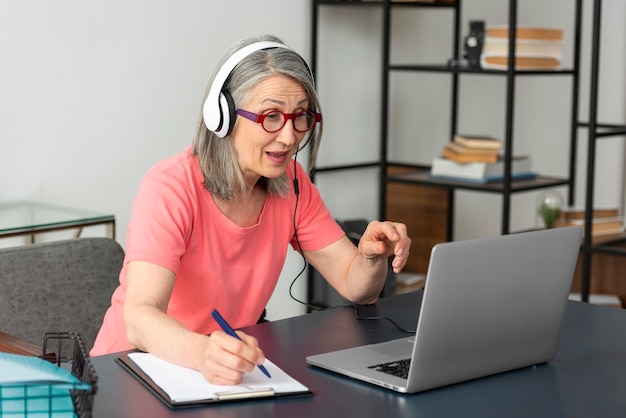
399,368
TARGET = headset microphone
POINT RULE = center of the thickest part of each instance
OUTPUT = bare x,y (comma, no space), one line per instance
296,188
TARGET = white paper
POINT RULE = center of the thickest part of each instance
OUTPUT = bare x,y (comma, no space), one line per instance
185,385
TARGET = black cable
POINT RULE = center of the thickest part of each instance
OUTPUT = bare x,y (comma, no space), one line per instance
359,317
296,189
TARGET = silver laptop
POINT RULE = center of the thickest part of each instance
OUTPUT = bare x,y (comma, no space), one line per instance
489,306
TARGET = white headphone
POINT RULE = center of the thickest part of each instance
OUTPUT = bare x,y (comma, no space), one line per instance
219,110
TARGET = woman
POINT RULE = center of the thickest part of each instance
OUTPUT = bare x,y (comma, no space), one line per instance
210,226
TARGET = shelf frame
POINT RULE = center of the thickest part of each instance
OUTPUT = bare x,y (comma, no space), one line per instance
596,131
508,187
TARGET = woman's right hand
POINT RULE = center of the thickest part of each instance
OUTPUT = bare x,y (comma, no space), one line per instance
222,359
225,359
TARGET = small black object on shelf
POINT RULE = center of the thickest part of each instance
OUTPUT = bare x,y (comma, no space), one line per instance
473,43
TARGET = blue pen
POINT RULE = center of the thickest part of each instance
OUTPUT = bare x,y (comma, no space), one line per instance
228,330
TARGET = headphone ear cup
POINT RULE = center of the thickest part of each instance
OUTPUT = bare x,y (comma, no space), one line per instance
228,110
222,108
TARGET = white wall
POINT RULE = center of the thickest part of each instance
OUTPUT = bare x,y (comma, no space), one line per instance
92,93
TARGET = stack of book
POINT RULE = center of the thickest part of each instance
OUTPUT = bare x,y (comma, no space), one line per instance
472,149
535,48
604,221
476,158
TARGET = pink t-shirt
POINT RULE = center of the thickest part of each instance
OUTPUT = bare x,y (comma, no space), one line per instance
218,265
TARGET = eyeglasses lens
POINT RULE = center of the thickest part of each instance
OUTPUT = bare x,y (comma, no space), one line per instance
302,122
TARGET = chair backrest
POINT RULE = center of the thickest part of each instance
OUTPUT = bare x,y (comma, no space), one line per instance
58,286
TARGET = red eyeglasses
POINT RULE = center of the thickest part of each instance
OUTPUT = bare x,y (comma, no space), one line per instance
275,120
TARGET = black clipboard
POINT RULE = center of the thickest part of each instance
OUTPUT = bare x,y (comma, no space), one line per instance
227,396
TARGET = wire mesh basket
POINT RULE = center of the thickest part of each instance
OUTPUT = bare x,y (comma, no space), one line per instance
66,350
59,384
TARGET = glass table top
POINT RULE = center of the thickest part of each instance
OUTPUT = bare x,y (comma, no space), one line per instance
25,216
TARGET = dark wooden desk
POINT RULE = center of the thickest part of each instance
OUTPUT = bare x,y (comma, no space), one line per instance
10,344
587,377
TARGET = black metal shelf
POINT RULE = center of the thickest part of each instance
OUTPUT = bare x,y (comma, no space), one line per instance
353,166
505,188
614,245
446,68
610,249
422,177
378,3
605,130
455,70
596,130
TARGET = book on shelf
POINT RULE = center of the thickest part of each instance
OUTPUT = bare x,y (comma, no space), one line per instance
478,141
500,47
599,226
462,154
526,33
497,62
571,213
465,150
535,48
444,168
604,221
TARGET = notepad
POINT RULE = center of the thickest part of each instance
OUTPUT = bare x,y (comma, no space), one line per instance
30,386
178,386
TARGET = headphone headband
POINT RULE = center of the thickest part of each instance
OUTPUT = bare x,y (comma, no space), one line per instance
218,110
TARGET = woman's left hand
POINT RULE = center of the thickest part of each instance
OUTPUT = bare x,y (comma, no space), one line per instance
386,239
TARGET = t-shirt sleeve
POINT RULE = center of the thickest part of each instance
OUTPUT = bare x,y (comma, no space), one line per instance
162,214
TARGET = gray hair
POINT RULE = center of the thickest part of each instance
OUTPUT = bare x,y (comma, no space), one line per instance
217,156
